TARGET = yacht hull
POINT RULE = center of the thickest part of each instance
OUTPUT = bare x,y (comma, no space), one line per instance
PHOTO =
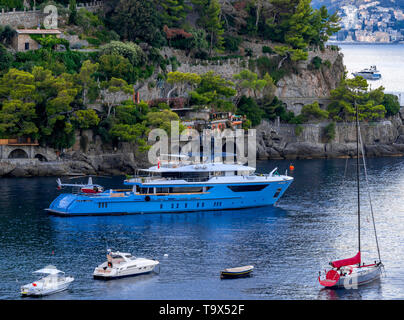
219,197
45,292
107,278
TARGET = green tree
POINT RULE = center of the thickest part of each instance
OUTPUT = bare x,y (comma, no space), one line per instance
117,66
162,120
249,108
181,79
215,92
7,34
6,59
85,78
115,92
351,91
135,20
173,12
72,12
85,119
296,24
128,50
314,112
210,20
17,119
249,80
391,103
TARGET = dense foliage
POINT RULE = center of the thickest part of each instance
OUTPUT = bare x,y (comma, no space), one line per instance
50,93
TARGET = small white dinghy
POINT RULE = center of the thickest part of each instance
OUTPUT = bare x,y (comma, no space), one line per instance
120,265
54,281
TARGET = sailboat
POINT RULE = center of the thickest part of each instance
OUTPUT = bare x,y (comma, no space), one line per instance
352,272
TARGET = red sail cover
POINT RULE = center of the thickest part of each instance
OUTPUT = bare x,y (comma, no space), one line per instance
347,262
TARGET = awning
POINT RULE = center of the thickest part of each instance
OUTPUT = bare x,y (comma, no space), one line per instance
49,270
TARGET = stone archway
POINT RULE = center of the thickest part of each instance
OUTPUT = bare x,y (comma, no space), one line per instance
41,158
18,154
297,108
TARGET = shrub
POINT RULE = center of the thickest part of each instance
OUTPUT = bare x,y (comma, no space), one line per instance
231,43
93,41
391,103
266,49
329,131
248,107
298,130
201,54
128,50
315,63
314,112
327,63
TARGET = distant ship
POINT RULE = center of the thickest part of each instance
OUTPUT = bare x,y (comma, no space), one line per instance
369,73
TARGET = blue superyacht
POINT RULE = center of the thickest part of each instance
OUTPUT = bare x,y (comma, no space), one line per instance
175,187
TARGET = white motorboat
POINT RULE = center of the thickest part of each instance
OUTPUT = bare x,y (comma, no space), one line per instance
120,264
54,281
369,73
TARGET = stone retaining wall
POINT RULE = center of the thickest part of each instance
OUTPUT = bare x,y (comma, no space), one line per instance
32,18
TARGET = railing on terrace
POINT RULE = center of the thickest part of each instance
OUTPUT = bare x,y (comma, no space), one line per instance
148,179
157,179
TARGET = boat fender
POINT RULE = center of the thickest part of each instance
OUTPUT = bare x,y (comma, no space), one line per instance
110,264
147,198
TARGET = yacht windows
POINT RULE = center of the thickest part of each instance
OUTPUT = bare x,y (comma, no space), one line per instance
180,190
244,188
278,191
187,176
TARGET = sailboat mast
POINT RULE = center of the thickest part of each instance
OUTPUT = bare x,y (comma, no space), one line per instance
357,174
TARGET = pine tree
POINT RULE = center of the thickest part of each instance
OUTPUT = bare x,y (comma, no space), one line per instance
210,12
73,12
173,12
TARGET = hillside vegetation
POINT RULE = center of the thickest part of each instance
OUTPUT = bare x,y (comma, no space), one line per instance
48,94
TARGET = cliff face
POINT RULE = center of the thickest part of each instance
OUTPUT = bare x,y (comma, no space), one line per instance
385,138
306,84
313,83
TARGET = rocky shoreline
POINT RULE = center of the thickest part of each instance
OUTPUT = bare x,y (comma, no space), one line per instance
274,142
283,141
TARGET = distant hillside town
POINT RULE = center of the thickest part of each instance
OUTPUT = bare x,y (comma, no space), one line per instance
368,21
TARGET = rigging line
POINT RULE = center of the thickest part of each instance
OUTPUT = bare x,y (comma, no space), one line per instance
358,174
369,194
346,167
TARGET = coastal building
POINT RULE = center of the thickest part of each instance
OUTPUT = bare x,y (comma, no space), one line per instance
23,41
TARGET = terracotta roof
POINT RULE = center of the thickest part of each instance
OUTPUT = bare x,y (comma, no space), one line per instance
38,31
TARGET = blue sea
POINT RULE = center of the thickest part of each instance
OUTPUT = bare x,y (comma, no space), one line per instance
288,244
